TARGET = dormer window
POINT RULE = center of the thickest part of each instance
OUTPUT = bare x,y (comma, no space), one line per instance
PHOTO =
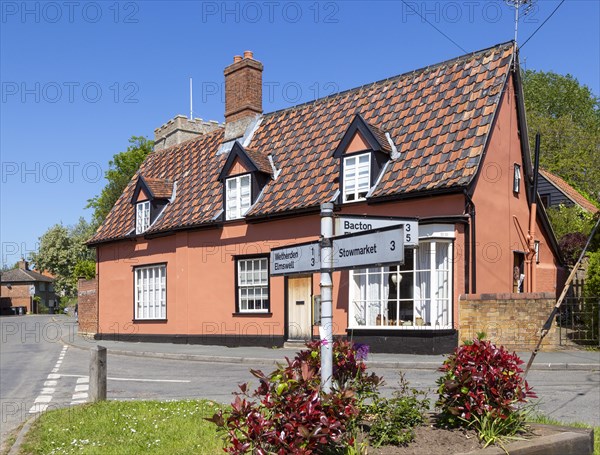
150,197
238,197
142,218
363,152
357,177
244,175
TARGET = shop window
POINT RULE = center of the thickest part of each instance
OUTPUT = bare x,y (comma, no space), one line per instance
413,295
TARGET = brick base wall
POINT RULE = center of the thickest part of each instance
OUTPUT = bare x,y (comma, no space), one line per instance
512,320
18,295
87,300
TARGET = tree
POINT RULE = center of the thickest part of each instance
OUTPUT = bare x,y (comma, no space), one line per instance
61,248
567,115
85,269
568,220
122,168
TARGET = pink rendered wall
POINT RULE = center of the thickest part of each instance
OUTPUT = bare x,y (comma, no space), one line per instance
503,216
201,272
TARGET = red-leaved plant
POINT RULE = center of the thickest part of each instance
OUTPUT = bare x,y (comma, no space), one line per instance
481,380
288,413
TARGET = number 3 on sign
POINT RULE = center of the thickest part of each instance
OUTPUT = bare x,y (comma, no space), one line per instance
393,245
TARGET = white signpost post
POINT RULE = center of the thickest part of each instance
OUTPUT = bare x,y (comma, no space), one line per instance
301,258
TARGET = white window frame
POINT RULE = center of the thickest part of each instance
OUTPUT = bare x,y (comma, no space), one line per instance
252,284
355,184
236,203
536,247
517,179
142,217
150,292
434,311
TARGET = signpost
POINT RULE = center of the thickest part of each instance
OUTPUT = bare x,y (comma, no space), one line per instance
366,242
352,224
300,258
372,248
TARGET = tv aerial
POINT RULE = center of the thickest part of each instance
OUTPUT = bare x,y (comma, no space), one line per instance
525,5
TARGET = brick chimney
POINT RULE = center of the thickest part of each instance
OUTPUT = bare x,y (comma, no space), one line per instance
243,94
23,264
181,129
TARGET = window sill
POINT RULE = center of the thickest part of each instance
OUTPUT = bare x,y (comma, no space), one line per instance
252,314
144,321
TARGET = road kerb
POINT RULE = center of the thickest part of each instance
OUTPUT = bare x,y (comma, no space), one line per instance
402,365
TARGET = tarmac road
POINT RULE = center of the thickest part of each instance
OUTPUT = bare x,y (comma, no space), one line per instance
37,369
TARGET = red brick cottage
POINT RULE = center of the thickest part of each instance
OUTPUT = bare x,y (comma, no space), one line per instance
184,254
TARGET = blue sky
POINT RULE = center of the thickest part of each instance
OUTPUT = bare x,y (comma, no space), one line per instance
80,78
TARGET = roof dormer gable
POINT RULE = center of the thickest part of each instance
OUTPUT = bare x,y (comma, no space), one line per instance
150,189
361,136
243,161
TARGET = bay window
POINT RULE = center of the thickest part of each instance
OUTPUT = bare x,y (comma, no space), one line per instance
416,294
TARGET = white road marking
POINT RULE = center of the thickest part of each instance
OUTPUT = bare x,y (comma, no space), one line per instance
40,404
82,387
38,408
80,396
83,380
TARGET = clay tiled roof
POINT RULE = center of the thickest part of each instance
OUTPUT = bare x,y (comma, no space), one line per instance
260,160
160,188
380,136
569,191
438,117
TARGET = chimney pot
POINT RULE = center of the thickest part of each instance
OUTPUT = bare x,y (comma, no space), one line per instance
243,91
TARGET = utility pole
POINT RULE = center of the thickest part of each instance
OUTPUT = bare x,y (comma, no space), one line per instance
326,329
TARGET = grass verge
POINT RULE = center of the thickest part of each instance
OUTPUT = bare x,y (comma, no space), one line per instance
540,418
126,427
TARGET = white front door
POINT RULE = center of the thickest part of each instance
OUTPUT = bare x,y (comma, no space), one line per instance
299,303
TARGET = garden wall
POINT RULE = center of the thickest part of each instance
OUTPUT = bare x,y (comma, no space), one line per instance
87,299
512,320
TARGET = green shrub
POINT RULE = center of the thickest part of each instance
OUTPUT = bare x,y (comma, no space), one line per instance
394,420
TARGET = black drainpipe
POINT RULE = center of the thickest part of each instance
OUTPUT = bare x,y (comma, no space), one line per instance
470,209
